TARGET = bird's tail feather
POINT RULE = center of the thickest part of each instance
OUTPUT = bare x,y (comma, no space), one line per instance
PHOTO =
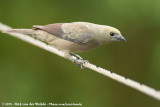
23,31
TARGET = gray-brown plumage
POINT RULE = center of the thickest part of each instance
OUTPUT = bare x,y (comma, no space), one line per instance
73,37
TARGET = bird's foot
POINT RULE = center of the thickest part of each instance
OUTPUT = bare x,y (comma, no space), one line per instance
78,61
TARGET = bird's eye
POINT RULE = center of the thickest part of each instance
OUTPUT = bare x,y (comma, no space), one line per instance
111,33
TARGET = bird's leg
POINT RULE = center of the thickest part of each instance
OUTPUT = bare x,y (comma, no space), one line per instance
78,61
75,55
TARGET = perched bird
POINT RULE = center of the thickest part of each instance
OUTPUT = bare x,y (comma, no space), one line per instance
73,37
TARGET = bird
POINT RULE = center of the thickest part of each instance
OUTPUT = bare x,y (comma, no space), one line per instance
73,37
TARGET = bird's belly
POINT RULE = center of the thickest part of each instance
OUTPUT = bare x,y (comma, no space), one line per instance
70,46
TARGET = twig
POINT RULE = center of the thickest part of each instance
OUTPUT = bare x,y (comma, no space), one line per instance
140,87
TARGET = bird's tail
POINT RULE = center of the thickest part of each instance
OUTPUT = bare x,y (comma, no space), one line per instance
23,31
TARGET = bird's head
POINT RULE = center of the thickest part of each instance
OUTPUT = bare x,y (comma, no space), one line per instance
113,34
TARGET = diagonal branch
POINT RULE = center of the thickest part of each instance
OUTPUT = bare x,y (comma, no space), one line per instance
131,83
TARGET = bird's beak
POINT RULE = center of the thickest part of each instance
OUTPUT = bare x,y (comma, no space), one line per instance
121,38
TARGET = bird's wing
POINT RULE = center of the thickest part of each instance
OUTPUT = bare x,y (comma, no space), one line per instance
74,34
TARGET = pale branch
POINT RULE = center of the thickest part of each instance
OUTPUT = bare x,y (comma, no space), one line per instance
136,85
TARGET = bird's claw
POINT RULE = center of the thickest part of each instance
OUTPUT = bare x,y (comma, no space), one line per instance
80,62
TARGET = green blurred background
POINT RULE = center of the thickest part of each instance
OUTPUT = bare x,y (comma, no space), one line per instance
30,74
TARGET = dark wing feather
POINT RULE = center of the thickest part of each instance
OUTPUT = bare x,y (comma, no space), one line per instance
56,30
80,39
